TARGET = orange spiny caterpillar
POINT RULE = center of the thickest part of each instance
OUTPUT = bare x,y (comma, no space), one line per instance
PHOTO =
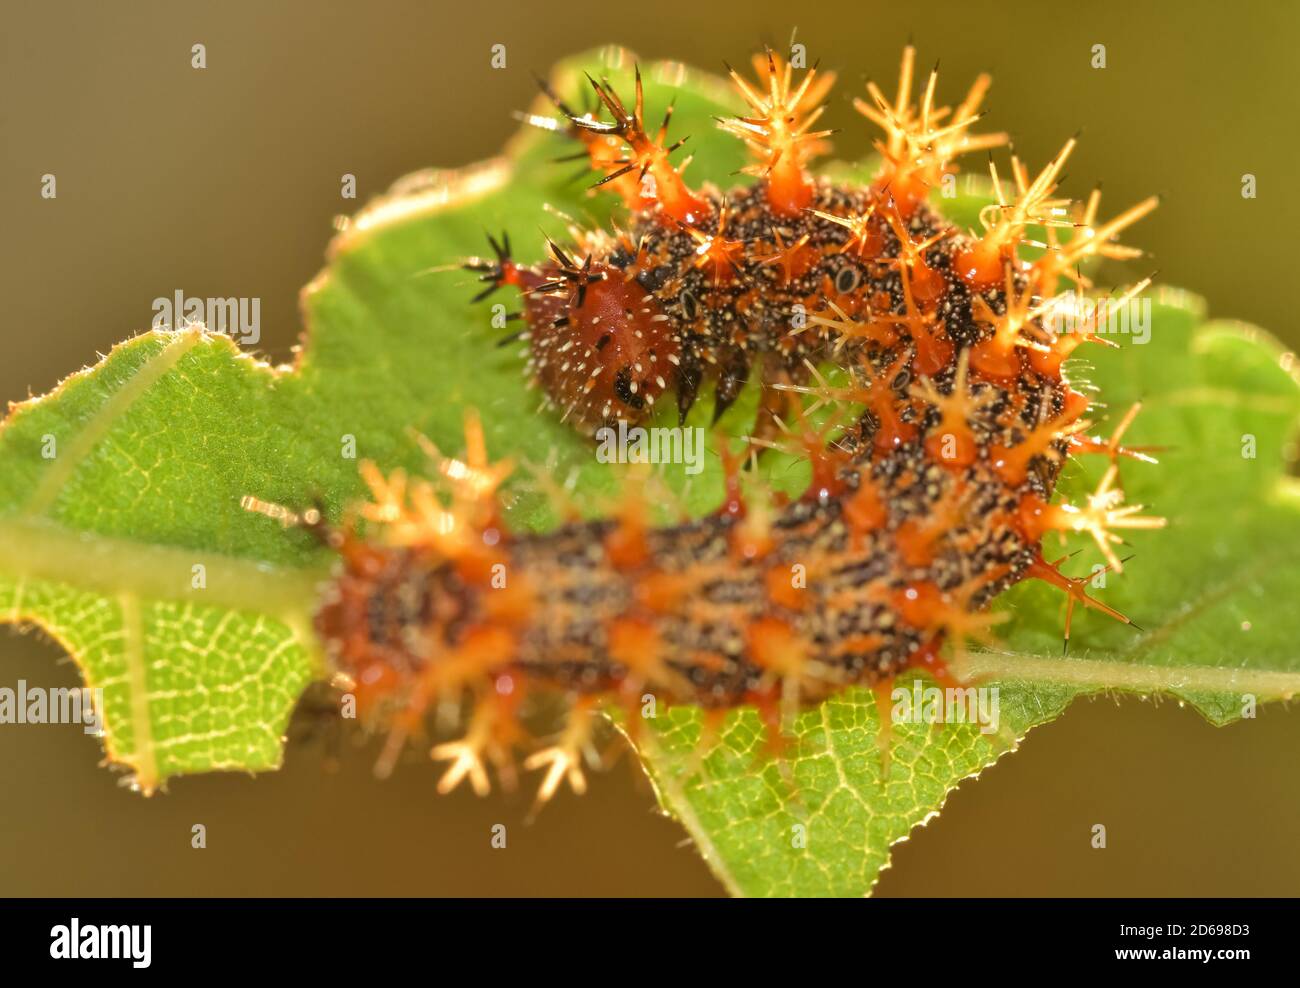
932,501
707,284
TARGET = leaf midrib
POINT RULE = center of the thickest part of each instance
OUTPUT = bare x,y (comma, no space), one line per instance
42,550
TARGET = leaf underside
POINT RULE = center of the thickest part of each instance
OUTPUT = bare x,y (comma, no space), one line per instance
154,447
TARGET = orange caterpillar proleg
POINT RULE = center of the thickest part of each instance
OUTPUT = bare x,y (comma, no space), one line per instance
933,500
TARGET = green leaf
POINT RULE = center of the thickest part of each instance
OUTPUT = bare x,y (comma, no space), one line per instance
155,446
129,475
1209,592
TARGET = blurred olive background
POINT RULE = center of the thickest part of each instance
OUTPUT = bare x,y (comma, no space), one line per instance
224,182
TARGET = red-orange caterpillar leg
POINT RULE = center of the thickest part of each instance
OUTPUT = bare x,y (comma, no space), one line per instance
563,760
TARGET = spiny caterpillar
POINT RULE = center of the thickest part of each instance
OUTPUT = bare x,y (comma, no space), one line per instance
932,481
